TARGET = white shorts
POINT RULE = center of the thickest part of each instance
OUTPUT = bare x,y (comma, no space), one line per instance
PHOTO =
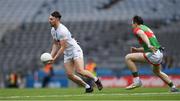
154,58
72,55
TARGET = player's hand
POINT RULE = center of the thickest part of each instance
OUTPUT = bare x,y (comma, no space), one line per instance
134,50
51,61
153,49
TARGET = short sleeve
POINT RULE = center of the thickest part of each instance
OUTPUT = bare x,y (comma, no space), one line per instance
61,36
136,30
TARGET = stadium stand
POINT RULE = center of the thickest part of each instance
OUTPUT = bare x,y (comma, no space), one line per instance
104,34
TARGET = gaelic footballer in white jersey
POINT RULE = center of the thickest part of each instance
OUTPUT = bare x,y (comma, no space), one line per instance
63,43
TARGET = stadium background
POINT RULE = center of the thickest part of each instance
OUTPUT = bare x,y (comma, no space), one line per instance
102,27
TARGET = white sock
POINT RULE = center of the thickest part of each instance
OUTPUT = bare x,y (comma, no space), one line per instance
136,80
87,86
173,86
95,79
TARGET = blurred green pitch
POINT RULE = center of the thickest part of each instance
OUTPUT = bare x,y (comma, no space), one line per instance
78,94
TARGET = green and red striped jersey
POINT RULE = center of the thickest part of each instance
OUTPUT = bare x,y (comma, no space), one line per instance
152,38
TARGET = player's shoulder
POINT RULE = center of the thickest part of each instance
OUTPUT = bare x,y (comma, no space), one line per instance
135,30
63,29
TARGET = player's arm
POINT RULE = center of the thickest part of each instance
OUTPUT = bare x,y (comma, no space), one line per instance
143,36
55,48
63,45
134,49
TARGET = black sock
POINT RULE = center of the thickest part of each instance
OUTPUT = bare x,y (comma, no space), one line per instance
170,84
135,74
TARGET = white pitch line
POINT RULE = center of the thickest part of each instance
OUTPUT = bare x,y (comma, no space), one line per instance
78,95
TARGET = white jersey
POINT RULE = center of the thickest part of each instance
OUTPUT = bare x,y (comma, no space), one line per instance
62,33
73,50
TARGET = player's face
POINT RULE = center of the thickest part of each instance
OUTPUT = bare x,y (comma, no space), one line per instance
134,25
52,21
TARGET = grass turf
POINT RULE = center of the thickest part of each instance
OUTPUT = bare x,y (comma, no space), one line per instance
78,94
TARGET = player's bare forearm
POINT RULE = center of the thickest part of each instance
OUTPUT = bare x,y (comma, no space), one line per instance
134,49
54,50
61,50
146,40
140,49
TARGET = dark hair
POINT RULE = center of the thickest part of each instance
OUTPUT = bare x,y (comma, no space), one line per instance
138,20
56,14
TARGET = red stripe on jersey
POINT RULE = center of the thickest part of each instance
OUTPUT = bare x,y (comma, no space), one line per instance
135,30
149,34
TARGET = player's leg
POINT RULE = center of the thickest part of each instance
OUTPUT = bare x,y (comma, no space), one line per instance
164,77
130,60
79,65
69,67
155,59
45,81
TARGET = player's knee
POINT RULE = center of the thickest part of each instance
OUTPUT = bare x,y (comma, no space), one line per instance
70,75
80,71
127,57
